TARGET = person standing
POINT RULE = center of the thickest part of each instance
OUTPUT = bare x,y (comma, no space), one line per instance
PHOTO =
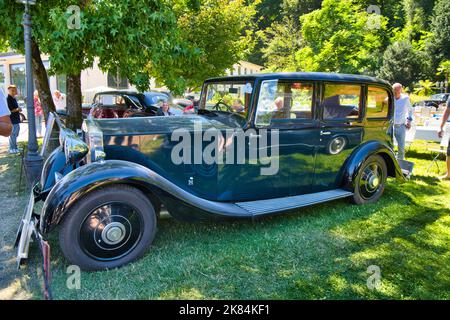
38,113
15,118
5,121
60,101
441,131
402,118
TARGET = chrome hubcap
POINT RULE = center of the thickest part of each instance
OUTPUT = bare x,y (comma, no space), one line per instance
371,180
113,233
374,181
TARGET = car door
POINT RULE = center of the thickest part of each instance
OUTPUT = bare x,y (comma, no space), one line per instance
341,131
286,106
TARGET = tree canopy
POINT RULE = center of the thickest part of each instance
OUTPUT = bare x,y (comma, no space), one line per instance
180,42
398,40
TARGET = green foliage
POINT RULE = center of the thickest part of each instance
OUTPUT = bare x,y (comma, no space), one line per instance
283,41
121,39
278,25
401,63
392,10
110,30
267,13
444,69
294,9
424,88
339,38
216,33
180,42
440,27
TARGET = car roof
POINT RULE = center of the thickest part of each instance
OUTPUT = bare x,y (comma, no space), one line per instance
151,93
131,92
311,76
118,92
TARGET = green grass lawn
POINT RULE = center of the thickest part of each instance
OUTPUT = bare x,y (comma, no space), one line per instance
319,252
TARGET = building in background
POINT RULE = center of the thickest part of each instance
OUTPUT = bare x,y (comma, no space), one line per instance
93,80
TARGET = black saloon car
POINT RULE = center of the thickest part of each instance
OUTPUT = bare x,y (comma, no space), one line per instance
259,145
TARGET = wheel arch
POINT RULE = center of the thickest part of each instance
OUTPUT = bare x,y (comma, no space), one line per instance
85,179
357,158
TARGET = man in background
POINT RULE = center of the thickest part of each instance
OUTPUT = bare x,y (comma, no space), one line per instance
59,100
441,131
5,121
402,118
15,118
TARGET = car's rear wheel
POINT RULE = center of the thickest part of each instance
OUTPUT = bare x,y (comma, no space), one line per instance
370,181
108,228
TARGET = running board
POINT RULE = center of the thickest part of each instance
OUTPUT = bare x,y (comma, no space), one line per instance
260,207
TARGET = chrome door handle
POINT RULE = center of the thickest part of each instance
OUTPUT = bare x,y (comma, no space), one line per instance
325,133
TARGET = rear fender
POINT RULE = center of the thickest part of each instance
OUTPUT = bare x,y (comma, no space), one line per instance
355,161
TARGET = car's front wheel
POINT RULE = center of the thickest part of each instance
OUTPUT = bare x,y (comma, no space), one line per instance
370,181
108,228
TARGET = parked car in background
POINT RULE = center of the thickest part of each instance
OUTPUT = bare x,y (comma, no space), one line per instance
435,100
319,137
126,104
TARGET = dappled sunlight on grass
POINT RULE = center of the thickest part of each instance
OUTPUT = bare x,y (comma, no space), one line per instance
183,294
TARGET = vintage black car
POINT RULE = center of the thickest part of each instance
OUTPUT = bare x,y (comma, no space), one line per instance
259,145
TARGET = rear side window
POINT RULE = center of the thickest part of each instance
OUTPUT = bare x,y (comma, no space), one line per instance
341,101
377,103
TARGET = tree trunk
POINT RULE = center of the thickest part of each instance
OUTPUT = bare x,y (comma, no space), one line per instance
74,116
41,80
45,95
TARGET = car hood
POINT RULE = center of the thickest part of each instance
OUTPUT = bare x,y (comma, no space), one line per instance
158,125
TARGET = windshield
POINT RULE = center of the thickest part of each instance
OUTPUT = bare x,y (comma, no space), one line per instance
232,97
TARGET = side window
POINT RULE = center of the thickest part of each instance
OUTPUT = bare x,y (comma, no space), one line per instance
341,101
282,102
377,103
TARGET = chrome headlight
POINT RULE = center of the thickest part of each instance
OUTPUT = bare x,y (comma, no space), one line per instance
94,138
74,148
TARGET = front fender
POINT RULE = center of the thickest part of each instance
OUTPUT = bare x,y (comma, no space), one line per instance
55,163
355,161
89,177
